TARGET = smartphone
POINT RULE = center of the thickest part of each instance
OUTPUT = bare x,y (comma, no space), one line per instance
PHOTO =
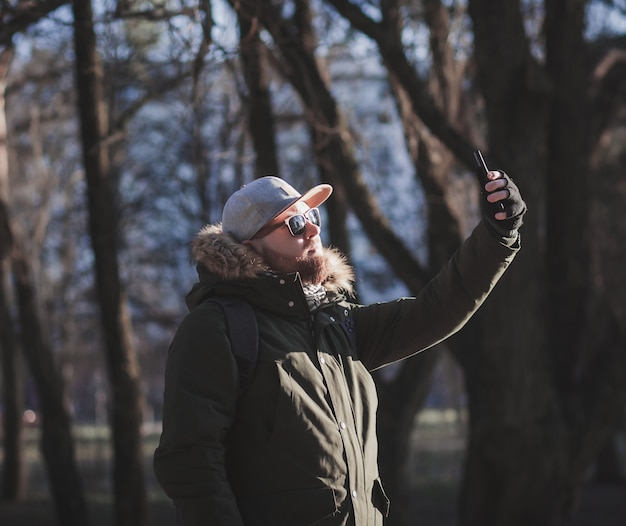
481,174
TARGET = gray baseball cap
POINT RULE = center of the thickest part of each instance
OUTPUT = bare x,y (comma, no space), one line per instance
255,204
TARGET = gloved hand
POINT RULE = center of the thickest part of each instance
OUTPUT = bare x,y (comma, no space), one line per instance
502,189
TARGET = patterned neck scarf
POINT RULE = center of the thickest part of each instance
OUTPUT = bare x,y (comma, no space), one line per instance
315,296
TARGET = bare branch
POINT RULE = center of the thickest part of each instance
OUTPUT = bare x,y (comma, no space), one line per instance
392,53
13,21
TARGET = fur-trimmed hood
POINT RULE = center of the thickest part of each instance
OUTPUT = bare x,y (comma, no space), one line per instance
227,260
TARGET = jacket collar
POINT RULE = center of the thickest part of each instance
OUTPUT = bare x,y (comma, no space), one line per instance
220,258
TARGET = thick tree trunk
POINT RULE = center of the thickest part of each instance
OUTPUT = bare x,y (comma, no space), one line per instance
517,469
126,403
543,389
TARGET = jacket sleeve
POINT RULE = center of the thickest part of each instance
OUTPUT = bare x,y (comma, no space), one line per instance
387,332
201,385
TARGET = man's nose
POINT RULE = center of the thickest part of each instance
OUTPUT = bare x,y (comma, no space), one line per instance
312,229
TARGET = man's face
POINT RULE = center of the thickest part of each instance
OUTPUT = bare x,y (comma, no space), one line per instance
286,253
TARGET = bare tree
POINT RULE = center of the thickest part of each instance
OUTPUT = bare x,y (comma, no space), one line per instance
16,17
126,403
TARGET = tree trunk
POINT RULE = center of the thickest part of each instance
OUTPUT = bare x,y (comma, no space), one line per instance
258,103
126,403
400,399
543,389
13,487
13,481
57,441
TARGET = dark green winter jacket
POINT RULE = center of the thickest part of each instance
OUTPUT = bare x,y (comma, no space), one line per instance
298,446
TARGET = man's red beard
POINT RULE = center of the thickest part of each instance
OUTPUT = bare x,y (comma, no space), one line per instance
312,269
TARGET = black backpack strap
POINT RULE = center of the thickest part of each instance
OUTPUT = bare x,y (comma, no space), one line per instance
243,333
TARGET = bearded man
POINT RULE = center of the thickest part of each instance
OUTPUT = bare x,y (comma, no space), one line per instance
298,445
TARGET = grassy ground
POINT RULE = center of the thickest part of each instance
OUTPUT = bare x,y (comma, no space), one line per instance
41,513
434,464
601,506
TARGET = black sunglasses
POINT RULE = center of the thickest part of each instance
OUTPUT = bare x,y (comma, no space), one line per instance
295,223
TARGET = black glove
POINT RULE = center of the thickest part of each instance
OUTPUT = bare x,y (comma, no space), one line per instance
513,205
